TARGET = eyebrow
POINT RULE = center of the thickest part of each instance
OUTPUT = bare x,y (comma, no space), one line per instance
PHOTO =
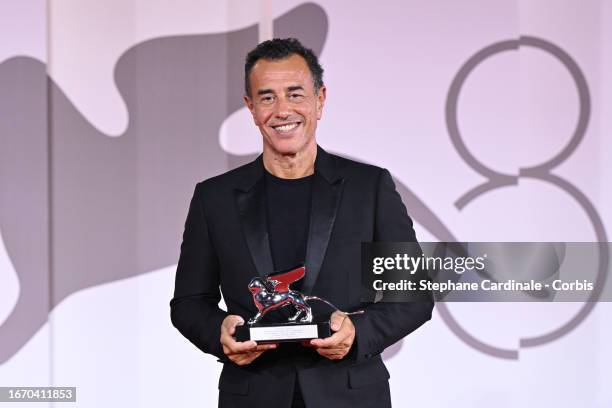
289,89
264,91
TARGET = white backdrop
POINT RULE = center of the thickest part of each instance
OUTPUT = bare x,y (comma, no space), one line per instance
389,67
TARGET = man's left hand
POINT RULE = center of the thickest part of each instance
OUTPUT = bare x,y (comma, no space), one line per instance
339,344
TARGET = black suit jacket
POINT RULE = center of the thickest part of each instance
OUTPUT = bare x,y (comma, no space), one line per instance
226,243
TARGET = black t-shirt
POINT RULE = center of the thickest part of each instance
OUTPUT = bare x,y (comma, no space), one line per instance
288,213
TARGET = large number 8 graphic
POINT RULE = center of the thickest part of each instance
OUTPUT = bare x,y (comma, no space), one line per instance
541,172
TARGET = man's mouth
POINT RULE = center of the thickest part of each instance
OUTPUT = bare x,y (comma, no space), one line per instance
286,127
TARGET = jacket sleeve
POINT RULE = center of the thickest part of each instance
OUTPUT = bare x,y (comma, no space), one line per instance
383,324
194,310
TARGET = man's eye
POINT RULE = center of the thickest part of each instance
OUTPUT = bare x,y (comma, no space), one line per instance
267,99
296,96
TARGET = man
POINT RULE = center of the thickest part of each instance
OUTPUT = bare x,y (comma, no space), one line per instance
295,203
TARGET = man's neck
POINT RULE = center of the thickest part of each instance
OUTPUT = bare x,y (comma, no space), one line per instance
292,166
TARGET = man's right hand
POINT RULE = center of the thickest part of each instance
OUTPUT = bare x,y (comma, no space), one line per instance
240,352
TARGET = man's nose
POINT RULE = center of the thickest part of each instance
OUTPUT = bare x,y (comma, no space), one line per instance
283,108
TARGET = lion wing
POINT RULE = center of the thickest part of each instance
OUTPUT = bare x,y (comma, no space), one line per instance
282,280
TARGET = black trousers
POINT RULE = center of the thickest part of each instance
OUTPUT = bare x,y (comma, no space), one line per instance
298,401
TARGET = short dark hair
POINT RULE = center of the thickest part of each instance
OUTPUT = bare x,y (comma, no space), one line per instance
281,48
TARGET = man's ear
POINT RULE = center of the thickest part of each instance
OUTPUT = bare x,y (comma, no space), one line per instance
250,106
321,95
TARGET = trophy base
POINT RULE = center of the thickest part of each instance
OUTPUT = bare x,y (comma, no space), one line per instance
283,332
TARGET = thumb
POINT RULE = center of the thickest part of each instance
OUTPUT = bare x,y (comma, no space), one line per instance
232,322
336,319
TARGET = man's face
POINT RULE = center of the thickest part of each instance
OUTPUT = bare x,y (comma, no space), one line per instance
284,104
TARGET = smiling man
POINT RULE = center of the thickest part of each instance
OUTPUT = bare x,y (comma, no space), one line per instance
286,103
294,204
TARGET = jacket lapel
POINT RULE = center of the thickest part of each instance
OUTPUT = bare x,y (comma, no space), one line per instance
251,200
326,193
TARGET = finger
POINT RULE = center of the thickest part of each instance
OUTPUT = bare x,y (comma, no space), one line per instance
241,347
252,347
232,323
331,349
232,320
343,335
227,339
247,358
244,346
239,359
331,341
228,326
332,355
252,356
324,343
264,347
336,319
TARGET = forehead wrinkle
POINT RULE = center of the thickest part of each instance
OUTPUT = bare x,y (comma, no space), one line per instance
277,76
284,76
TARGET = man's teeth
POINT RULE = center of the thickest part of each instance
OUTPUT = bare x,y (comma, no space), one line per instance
286,128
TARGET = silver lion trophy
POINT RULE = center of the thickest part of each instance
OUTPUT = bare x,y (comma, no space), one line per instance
273,292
